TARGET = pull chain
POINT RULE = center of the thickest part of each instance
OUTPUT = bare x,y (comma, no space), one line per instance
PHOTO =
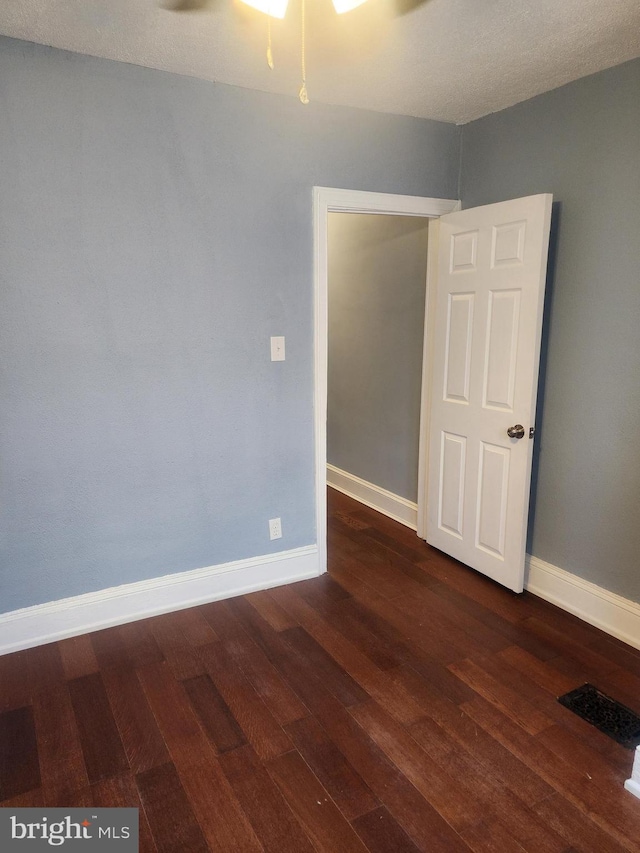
269,53
304,97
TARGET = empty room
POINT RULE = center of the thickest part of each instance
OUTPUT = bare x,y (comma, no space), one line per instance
319,488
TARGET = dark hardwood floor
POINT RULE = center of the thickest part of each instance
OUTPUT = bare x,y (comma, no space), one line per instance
400,703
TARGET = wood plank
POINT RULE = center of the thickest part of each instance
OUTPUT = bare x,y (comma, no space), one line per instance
312,805
174,714
419,819
183,659
29,800
470,584
346,690
347,789
545,701
391,642
45,667
397,531
138,643
223,822
339,615
195,628
214,804
503,807
216,719
222,620
538,671
623,686
503,612
439,610
430,671
274,691
410,546
78,657
502,697
322,588
465,734
62,764
576,629
595,766
19,768
382,569
348,519
110,648
262,802
421,610
592,663
371,621
383,552
271,611
437,786
416,633
617,652
288,661
141,738
610,811
575,826
341,572
373,681
82,799
382,834
488,837
102,748
261,729
171,819
120,792
15,681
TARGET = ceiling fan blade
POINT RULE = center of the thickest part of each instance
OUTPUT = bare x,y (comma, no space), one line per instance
403,7
188,5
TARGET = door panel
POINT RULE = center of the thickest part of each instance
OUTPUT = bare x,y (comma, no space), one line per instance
459,331
452,476
501,350
488,322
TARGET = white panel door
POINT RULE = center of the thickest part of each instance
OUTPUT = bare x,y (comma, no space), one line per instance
492,264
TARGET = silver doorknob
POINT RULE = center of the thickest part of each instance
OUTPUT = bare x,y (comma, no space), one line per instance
516,431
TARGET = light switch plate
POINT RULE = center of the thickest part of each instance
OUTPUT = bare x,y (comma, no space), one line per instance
277,349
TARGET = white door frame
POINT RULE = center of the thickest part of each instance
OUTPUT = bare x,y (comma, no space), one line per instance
328,200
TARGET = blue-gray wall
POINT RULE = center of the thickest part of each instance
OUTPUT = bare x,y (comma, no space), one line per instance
155,230
377,277
582,143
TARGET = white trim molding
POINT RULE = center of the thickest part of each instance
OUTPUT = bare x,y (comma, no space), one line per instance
397,508
68,617
610,612
633,785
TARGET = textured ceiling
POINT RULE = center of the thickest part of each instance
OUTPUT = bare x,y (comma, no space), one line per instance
453,60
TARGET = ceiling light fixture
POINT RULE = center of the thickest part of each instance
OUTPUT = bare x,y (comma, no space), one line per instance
277,9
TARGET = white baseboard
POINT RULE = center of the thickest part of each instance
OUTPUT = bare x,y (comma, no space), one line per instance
612,613
400,509
633,785
68,617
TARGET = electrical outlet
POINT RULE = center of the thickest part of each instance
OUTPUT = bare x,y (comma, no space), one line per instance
275,528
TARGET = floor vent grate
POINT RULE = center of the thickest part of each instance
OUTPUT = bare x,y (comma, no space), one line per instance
611,717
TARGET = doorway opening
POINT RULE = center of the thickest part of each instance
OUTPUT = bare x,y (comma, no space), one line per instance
333,201
377,288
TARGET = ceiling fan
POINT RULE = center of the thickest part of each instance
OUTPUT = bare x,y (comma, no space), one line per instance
273,9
